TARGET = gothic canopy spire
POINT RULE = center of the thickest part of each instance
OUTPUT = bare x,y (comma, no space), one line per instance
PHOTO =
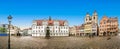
50,18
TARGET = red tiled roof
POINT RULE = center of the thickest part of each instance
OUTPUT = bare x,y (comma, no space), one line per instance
50,22
77,27
61,22
39,22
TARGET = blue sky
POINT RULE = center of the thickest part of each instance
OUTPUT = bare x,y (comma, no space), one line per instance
24,11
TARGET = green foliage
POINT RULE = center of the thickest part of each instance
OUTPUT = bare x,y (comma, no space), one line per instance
3,30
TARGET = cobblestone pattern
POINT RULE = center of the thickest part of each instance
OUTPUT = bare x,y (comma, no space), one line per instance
61,43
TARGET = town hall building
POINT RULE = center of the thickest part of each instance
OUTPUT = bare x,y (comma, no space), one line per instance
56,27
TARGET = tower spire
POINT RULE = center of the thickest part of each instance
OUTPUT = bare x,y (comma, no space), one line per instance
87,14
95,13
50,18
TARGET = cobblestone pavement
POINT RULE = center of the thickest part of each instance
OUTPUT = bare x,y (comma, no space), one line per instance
28,42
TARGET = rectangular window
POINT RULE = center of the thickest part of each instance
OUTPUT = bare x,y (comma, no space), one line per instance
41,27
41,30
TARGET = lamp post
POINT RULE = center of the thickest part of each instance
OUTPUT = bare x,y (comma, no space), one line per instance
9,20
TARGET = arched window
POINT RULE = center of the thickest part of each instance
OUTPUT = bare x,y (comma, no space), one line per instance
89,18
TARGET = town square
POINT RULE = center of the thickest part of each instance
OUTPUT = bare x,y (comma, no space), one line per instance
59,24
29,42
56,34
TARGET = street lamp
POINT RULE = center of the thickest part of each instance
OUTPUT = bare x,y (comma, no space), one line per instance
9,20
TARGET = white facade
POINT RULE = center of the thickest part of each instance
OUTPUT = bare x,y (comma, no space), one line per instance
56,27
29,32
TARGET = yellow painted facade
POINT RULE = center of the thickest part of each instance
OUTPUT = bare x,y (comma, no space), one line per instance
88,28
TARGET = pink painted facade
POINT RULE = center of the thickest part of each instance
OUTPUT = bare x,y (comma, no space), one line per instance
108,26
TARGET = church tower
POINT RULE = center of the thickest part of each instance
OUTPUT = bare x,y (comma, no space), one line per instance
87,18
95,17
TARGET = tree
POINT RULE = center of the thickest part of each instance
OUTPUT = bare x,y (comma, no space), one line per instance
3,30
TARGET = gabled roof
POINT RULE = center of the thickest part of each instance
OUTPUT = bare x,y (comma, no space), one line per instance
50,22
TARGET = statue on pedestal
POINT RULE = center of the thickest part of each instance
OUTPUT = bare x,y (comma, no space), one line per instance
47,33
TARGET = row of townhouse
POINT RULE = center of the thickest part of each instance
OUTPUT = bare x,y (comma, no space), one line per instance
13,29
107,26
74,31
90,27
